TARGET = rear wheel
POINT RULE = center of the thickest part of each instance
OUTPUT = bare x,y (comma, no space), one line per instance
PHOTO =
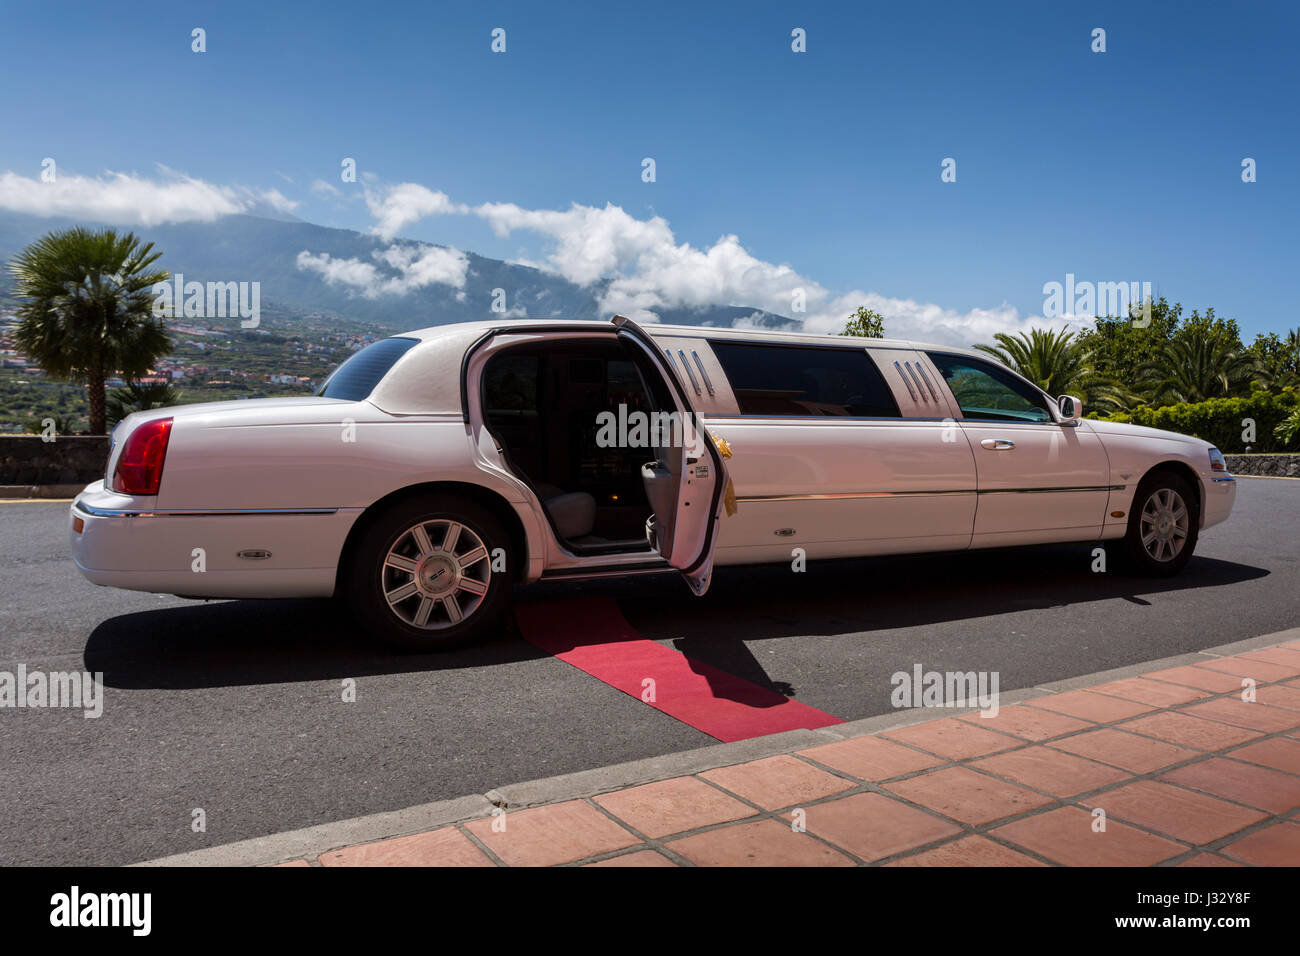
1162,527
427,574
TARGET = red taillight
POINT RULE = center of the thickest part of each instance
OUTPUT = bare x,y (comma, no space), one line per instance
139,467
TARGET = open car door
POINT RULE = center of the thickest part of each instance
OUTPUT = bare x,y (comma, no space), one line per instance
686,480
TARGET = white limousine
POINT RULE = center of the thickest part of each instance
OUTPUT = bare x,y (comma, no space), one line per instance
435,469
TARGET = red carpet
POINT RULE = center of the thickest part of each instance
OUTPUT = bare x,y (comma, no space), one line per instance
591,634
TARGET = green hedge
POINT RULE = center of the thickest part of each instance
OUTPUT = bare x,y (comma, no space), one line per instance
1219,420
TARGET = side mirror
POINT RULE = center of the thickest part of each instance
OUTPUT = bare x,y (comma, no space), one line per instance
1071,409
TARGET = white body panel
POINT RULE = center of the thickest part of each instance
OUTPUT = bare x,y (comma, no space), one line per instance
287,479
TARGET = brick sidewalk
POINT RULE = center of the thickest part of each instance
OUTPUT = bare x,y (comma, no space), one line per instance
1186,772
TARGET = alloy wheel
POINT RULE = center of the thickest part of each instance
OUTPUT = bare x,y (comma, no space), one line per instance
436,574
1164,524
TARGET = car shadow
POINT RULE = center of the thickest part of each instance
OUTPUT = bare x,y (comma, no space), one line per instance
867,595
231,643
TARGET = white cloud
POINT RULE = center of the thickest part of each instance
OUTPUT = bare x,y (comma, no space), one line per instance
129,199
410,267
591,243
651,272
399,206
322,188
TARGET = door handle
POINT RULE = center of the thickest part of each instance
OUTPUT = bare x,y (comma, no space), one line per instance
998,444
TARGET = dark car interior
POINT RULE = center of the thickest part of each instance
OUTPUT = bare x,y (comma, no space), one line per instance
541,403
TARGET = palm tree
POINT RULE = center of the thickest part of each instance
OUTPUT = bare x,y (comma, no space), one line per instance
87,309
140,397
1287,429
1287,369
1058,363
1199,364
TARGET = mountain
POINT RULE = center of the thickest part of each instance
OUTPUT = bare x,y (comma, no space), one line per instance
263,249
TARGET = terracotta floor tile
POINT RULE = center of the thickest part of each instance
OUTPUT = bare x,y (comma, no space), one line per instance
1029,723
1190,731
872,826
1208,859
636,858
871,758
1066,836
1254,786
967,796
1288,656
1198,677
1089,706
1278,845
1051,771
1254,716
761,843
1279,695
1126,751
1261,671
1179,813
1154,692
974,850
776,782
556,833
673,806
445,847
953,738
1280,753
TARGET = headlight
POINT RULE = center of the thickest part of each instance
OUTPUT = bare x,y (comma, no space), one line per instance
1216,460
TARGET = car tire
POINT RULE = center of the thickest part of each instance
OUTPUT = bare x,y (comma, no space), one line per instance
1163,526
412,593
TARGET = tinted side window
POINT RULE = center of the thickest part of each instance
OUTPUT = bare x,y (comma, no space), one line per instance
985,391
805,380
357,377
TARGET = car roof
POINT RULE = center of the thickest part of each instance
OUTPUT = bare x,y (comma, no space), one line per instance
474,330
427,378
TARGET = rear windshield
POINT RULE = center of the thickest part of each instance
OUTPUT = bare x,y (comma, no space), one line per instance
357,377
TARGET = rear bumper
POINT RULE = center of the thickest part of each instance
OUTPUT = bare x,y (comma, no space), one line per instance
123,542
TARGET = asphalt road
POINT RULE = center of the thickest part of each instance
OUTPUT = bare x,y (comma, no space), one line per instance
237,707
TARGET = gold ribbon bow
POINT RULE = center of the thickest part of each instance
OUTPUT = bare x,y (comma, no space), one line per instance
729,500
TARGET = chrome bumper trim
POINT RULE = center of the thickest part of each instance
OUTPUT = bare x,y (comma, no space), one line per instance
170,512
927,494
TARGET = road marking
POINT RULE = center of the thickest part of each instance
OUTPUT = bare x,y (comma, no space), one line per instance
592,635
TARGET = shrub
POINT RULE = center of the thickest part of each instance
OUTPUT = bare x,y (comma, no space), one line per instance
1221,421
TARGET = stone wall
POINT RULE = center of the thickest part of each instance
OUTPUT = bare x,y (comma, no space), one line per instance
68,460
1276,466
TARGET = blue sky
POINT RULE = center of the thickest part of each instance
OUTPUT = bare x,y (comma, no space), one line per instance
1115,166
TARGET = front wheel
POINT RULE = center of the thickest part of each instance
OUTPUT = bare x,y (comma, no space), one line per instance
430,574
1162,528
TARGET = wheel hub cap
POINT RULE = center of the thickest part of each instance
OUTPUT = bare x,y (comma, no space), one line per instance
436,574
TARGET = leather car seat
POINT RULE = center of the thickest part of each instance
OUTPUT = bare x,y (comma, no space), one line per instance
573,512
